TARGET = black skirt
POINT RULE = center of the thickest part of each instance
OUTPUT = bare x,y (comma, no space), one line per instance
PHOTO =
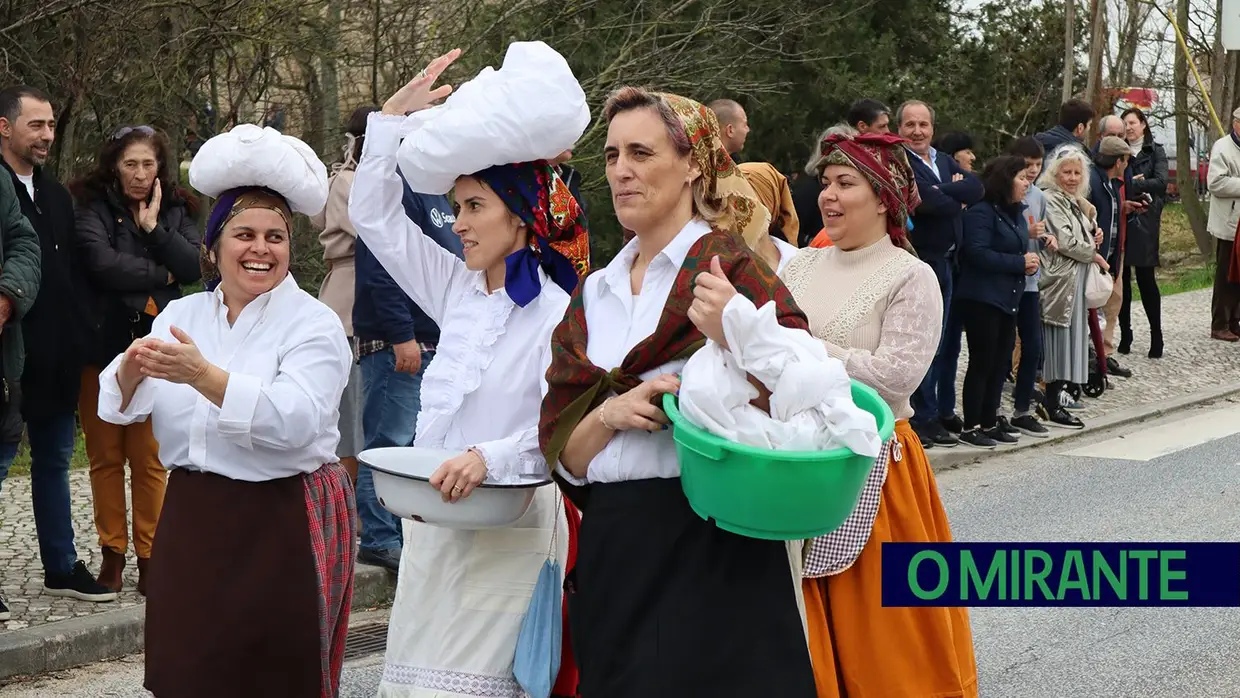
663,603
233,598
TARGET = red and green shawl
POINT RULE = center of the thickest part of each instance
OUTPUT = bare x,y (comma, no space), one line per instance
576,386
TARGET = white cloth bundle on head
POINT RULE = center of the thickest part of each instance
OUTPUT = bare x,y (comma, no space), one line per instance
811,395
532,108
253,156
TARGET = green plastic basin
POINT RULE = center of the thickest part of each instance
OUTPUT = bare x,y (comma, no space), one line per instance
773,495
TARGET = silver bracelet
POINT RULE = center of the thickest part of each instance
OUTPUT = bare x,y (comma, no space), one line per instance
602,419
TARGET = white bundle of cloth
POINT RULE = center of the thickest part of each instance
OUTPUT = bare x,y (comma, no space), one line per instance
532,108
811,395
252,155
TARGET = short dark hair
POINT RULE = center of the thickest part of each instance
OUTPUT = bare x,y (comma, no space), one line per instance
955,142
11,99
866,110
997,178
1027,147
1075,112
727,111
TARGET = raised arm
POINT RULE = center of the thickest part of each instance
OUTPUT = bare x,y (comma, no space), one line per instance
423,269
106,266
907,342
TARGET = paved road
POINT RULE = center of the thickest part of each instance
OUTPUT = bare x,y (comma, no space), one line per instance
1104,488
123,679
1170,480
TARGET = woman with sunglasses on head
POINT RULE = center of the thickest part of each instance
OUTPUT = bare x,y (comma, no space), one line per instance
138,240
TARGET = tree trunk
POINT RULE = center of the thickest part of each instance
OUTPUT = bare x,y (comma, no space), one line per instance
1219,84
330,73
1184,179
1094,91
1069,53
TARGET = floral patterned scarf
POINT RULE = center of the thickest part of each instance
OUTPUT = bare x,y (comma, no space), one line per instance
726,186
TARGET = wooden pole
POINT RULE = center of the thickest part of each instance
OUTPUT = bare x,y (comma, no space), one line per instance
1069,53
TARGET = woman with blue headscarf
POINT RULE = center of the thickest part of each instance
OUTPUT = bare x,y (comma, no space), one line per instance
251,576
463,594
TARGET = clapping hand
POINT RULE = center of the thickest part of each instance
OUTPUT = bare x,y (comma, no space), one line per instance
178,362
711,292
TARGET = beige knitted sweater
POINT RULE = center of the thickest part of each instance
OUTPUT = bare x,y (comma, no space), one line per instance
878,309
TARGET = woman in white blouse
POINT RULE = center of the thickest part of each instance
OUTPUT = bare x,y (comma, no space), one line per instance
662,602
252,569
463,594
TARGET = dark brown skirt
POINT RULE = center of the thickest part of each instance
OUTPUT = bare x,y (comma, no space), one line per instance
232,604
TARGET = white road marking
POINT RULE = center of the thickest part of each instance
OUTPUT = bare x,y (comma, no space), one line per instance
1146,444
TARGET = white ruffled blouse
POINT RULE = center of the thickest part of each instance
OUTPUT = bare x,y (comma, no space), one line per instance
484,387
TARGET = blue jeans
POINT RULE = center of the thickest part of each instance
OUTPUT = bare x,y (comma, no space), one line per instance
390,405
1029,327
51,449
926,401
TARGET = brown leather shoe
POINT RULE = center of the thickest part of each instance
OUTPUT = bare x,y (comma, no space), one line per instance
111,569
142,563
1225,335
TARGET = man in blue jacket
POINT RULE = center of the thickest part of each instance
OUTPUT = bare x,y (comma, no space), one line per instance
937,230
396,341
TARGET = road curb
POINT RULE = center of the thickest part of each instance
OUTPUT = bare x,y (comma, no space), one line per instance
112,634
957,456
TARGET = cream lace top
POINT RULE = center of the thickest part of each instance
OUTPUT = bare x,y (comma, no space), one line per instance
878,309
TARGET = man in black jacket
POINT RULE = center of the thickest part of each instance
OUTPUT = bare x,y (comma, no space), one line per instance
945,191
1074,118
53,338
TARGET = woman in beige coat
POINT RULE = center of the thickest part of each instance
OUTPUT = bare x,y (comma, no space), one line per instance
338,238
1065,264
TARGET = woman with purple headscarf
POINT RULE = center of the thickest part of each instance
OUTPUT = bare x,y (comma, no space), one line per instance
463,594
251,578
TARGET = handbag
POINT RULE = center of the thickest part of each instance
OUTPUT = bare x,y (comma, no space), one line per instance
1098,287
536,663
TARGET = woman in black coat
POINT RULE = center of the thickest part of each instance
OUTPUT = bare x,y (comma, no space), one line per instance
138,240
1148,169
994,261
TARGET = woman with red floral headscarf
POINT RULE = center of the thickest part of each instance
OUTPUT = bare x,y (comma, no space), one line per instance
877,308
462,595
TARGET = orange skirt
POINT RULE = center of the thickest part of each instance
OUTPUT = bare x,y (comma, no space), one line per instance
862,650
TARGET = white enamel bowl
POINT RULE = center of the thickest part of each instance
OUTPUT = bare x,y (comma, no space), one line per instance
402,484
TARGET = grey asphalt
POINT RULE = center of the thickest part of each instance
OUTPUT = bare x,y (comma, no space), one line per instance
1040,495
1190,495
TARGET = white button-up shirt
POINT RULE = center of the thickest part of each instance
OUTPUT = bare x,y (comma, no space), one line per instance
617,320
287,360
484,387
